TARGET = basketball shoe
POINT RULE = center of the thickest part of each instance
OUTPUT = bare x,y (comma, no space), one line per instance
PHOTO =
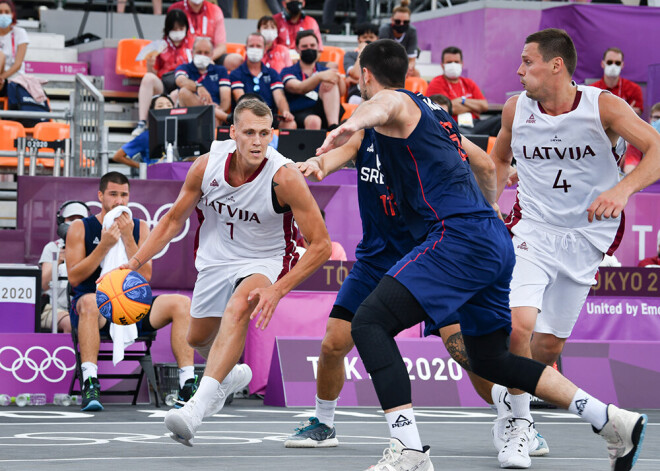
624,434
237,379
91,395
187,391
503,425
398,458
312,434
521,440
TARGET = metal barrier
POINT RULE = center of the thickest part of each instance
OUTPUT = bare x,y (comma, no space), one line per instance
62,149
89,136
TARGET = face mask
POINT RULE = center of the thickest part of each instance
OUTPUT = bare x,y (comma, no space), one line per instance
308,56
196,2
269,35
612,70
400,28
254,54
5,20
177,36
294,7
201,62
452,70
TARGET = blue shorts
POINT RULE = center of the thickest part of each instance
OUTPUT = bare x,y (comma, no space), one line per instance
463,267
360,282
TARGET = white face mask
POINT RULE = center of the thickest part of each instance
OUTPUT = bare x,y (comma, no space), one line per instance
196,2
177,35
201,62
269,35
254,54
452,70
612,70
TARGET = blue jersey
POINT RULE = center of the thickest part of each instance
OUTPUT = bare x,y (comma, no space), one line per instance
264,84
296,101
385,239
214,78
428,172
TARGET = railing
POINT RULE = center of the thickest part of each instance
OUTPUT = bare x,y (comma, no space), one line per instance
89,136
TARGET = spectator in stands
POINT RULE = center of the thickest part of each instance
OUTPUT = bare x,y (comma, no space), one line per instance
276,56
138,148
629,91
443,101
13,45
69,211
652,262
256,77
466,97
366,33
404,33
156,4
201,82
87,244
633,155
330,7
160,78
293,20
313,90
227,7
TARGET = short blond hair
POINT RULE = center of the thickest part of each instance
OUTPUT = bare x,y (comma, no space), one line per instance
257,107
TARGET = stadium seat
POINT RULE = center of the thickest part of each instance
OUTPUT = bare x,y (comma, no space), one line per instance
10,130
417,85
236,48
4,102
51,131
348,110
127,51
491,144
333,54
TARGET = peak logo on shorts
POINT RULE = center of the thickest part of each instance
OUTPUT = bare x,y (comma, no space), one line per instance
401,421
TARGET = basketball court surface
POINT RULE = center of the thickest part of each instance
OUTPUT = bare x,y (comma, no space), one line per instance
247,435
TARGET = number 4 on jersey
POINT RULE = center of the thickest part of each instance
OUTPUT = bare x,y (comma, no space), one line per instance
565,186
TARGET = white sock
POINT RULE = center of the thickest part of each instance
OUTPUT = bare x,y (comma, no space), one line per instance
589,408
89,370
325,411
520,406
501,401
186,373
208,388
402,426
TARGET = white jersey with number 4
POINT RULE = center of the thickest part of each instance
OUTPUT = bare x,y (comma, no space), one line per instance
241,223
564,162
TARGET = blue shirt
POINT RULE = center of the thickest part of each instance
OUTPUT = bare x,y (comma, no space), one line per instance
385,238
264,84
139,145
214,78
429,173
300,102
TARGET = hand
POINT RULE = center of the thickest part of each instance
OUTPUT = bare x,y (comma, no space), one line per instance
110,236
330,76
338,137
513,176
268,299
204,95
311,170
151,61
125,224
287,116
609,204
133,264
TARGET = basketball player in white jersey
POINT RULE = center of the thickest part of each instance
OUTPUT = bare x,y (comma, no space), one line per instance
246,195
568,214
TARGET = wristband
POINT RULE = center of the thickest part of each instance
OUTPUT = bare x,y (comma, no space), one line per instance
463,100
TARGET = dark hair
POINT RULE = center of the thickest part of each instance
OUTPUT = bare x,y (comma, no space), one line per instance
387,60
264,20
451,50
613,49
303,34
12,7
366,28
113,177
155,98
555,43
172,18
441,99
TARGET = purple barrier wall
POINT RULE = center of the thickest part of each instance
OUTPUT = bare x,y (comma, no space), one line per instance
653,86
102,63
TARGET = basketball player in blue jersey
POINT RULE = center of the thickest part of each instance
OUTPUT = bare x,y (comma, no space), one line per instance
385,240
463,265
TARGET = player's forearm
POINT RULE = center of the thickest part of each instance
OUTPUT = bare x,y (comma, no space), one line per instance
166,229
317,254
373,113
502,171
645,174
486,176
87,266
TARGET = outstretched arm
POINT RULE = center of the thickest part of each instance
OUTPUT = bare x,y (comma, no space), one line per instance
316,169
501,153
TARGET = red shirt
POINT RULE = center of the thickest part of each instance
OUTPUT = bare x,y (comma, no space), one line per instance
633,155
174,56
649,261
464,87
208,22
626,90
277,57
288,31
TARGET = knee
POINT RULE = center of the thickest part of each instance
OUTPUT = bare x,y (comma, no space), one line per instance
547,349
334,347
185,96
521,335
327,87
233,61
86,307
313,122
198,339
149,79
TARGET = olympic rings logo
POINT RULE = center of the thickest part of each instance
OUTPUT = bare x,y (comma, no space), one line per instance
38,368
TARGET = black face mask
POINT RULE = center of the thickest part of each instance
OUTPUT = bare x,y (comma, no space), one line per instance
308,56
400,28
294,7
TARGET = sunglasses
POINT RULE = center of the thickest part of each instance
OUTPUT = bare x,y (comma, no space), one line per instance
256,87
401,22
610,62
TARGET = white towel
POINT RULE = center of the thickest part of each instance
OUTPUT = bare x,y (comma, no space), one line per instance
122,335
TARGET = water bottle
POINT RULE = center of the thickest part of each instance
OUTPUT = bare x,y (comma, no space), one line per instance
62,400
5,400
169,155
170,399
36,399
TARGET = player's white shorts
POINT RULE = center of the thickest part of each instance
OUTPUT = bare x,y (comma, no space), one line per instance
554,271
216,284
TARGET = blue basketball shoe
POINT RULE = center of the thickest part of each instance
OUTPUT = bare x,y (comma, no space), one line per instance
312,434
186,392
91,395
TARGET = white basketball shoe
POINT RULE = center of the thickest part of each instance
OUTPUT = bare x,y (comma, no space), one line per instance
624,434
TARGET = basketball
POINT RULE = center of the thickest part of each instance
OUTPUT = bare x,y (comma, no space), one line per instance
123,297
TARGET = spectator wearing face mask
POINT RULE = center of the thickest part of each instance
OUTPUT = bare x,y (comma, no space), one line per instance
253,76
400,30
366,33
633,155
201,82
612,81
276,56
293,20
13,45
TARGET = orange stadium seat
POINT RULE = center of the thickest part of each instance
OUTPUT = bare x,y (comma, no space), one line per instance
4,102
491,144
236,48
417,85
127,51
333,54
348,110
50,131
10,130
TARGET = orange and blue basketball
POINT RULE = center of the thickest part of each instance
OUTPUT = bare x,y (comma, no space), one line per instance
123,297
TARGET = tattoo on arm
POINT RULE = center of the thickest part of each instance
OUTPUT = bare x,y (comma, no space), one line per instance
456,349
